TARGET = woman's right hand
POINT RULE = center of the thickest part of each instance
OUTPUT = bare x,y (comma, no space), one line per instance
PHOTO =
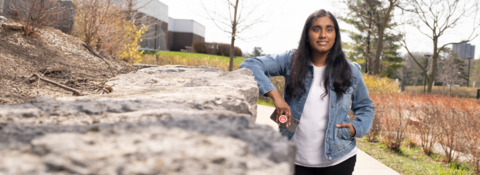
281,106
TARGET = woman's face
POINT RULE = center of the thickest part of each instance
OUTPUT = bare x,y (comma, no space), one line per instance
321,35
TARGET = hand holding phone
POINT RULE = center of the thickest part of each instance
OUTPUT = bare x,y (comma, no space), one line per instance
293,121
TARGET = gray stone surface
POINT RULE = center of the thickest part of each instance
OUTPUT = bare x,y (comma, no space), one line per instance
159,120
202,88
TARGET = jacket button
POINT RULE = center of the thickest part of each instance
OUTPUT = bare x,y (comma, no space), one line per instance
327,139
333,105
330,158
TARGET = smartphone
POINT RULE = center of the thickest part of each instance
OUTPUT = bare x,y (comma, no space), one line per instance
293,124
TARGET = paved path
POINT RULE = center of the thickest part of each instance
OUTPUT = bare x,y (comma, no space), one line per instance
366,165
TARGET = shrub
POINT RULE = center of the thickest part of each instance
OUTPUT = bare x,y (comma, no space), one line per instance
214,49
380,85
471,130
448,122
424,122
133,36
175,60
36,14
470,127
199,47
376,128
394,112
452,122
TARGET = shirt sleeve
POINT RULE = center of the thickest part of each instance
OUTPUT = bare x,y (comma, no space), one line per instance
265,67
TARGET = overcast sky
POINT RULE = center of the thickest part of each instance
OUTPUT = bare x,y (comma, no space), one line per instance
284,23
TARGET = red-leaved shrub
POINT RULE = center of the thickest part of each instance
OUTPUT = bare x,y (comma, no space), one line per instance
394,112
454,123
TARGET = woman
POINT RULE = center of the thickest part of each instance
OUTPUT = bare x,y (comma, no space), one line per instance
320,86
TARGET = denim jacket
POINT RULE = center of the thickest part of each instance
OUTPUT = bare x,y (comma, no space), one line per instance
338,141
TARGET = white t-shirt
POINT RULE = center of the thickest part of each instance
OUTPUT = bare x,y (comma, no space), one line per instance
310,134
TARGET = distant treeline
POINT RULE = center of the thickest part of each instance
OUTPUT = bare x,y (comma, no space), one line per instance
214,48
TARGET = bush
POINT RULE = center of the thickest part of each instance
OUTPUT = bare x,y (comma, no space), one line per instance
470,123
214,48
176,60
394,112
105,26
199,47
133,36
454,123
380,85
424,122
36,14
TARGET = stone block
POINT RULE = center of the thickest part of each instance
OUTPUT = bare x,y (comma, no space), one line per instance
158,120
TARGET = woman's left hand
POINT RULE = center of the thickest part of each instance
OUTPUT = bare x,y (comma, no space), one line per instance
349,126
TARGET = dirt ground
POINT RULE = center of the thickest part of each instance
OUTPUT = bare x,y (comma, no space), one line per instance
55,56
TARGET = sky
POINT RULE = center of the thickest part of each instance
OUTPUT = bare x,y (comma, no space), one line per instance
284,21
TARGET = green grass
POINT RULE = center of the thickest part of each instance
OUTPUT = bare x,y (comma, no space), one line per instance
236,60
411,160
265,103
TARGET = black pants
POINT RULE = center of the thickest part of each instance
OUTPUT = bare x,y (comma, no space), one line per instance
344,168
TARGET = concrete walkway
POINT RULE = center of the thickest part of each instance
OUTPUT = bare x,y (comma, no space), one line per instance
366,165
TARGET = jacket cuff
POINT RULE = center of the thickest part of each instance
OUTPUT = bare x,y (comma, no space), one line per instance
265,89
358,130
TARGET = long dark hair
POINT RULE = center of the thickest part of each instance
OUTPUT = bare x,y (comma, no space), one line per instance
336,63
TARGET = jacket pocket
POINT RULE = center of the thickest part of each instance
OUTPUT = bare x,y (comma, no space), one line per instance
346,98
345,134
343,141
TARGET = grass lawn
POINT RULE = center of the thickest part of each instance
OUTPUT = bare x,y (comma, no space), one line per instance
265,103
411,160
236,60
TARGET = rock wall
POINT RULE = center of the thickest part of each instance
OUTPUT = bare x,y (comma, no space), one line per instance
159,120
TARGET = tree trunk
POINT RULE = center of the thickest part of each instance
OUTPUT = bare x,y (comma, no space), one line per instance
443,85
368,62
376,63
431,77
234,32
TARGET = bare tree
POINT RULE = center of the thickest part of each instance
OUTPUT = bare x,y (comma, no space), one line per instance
439,16
451,70
412,75
240,17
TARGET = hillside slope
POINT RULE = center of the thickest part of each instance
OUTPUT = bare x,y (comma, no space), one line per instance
55,56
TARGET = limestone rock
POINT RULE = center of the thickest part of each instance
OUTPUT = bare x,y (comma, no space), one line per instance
159,120
202,88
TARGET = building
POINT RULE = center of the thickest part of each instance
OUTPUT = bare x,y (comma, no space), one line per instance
165,33
464,50
183,32
154,14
